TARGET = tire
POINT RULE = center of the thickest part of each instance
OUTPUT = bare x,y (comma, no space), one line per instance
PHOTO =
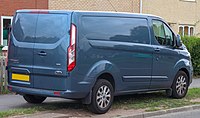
180,85
102,97
34,99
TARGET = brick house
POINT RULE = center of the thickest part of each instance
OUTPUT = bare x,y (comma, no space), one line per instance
7,10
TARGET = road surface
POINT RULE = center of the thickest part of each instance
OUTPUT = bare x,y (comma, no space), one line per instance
17,101
195,83
185,114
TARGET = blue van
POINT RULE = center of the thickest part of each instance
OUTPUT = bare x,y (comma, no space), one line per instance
94,56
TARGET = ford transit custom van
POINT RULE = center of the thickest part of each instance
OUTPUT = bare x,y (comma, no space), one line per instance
94,56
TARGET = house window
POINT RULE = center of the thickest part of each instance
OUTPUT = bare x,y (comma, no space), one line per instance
186,33
181,31
191,31
5,22
186,30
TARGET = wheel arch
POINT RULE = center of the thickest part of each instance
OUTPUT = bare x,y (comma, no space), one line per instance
103,70
186,71
108,77
183,65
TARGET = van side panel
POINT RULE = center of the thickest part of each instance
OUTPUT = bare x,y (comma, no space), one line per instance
127,55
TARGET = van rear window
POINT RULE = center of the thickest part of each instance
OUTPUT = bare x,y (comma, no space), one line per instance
120,29
39,28
24,27
51,28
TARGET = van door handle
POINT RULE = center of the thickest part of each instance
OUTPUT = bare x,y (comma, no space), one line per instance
42,53
157,49
58,72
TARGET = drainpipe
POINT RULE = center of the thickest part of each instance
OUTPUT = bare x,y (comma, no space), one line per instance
140,6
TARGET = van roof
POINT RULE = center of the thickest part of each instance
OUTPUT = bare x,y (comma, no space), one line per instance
87,12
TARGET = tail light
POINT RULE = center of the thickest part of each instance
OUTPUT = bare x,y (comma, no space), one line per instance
72,49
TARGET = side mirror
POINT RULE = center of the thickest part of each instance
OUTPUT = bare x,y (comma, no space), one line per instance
178,41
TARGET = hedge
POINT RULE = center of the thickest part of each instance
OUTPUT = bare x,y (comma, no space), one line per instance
193,46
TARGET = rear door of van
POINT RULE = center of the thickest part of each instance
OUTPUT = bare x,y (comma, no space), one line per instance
20,56
50,51
38,49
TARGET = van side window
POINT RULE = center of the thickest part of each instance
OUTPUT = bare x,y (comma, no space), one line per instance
122,29
169,36
162,33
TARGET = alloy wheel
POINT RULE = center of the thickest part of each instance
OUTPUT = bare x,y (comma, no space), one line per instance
103,97
181,85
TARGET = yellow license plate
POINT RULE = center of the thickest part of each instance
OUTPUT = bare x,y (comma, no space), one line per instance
20,77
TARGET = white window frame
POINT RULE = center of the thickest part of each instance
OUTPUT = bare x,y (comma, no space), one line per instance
189,26
2,18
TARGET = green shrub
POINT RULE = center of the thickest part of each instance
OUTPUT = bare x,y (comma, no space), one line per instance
193,46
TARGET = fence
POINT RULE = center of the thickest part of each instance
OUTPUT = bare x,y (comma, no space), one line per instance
3,75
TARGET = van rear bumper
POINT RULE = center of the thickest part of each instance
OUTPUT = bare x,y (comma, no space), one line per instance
47,93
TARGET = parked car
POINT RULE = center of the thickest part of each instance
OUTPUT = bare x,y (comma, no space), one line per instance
94,56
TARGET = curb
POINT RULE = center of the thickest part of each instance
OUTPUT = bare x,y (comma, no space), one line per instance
162,112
